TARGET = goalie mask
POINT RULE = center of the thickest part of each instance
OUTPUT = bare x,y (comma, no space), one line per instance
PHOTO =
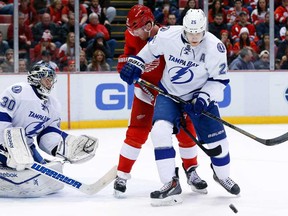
138,17
194,24
43,77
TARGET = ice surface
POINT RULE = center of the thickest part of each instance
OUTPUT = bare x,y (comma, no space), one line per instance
260,171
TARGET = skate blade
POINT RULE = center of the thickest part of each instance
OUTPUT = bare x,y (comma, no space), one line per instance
118,194
168,201
200,191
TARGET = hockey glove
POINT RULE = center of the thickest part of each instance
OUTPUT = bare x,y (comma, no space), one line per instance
132,70
77,149
201,103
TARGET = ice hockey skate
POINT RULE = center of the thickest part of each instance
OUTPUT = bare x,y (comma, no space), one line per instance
227,183
119,186
169,194
197,184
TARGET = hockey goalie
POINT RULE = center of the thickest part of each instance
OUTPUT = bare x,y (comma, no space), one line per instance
29,121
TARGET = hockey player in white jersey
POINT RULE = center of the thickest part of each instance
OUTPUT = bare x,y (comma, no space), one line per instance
196,71
30,116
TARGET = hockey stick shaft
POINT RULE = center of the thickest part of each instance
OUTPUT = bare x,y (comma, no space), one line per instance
210,152
267,142
89,189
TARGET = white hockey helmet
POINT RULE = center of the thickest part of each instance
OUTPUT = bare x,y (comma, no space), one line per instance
37,73
195,21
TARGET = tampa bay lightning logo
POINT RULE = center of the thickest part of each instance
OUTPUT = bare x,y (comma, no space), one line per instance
181,75
17,89
221,48
34,129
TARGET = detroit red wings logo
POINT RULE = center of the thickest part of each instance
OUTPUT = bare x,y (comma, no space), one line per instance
151,66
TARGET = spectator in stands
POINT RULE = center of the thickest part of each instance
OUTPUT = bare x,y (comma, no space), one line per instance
171,19
191,4
6,8
234,12
30,14
83,61
263,62
229,46
263,27
258,14
94,27
8,63
161,13
282,31
71,67
46,56
23,66
46,25
281,13
216,9
70,27
43,45
40,5
245,41
217,26
284,60
243,61
98,62
99,44
282,47
3,47
67,51
55,11
243,22
69,8
95,7
25,36
109,11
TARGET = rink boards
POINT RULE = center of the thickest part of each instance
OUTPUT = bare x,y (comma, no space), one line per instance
104,100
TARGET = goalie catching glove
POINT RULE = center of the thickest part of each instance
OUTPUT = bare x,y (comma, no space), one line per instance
77,149
132,70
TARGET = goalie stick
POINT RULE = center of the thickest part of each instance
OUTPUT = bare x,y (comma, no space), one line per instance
210,152
89,189
268,142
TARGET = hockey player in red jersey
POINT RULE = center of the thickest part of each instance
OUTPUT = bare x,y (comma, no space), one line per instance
140,29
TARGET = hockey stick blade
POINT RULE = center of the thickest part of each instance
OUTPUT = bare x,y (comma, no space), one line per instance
89,189
210,152
268,142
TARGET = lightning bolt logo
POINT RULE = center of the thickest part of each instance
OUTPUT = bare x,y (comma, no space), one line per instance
179,74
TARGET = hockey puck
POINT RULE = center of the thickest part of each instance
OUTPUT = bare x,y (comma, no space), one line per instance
233,208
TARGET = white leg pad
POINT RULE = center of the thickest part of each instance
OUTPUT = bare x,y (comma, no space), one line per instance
19,154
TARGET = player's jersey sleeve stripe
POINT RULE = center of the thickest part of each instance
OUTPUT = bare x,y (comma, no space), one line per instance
52,129
5,117
224,82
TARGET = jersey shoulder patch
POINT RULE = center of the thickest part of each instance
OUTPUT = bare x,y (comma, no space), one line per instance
221,48
164,28
16,89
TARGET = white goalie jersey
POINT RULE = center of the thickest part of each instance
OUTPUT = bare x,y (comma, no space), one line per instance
189,69
20,107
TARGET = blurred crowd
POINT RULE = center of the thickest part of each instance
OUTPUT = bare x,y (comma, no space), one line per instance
242,25
46,32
